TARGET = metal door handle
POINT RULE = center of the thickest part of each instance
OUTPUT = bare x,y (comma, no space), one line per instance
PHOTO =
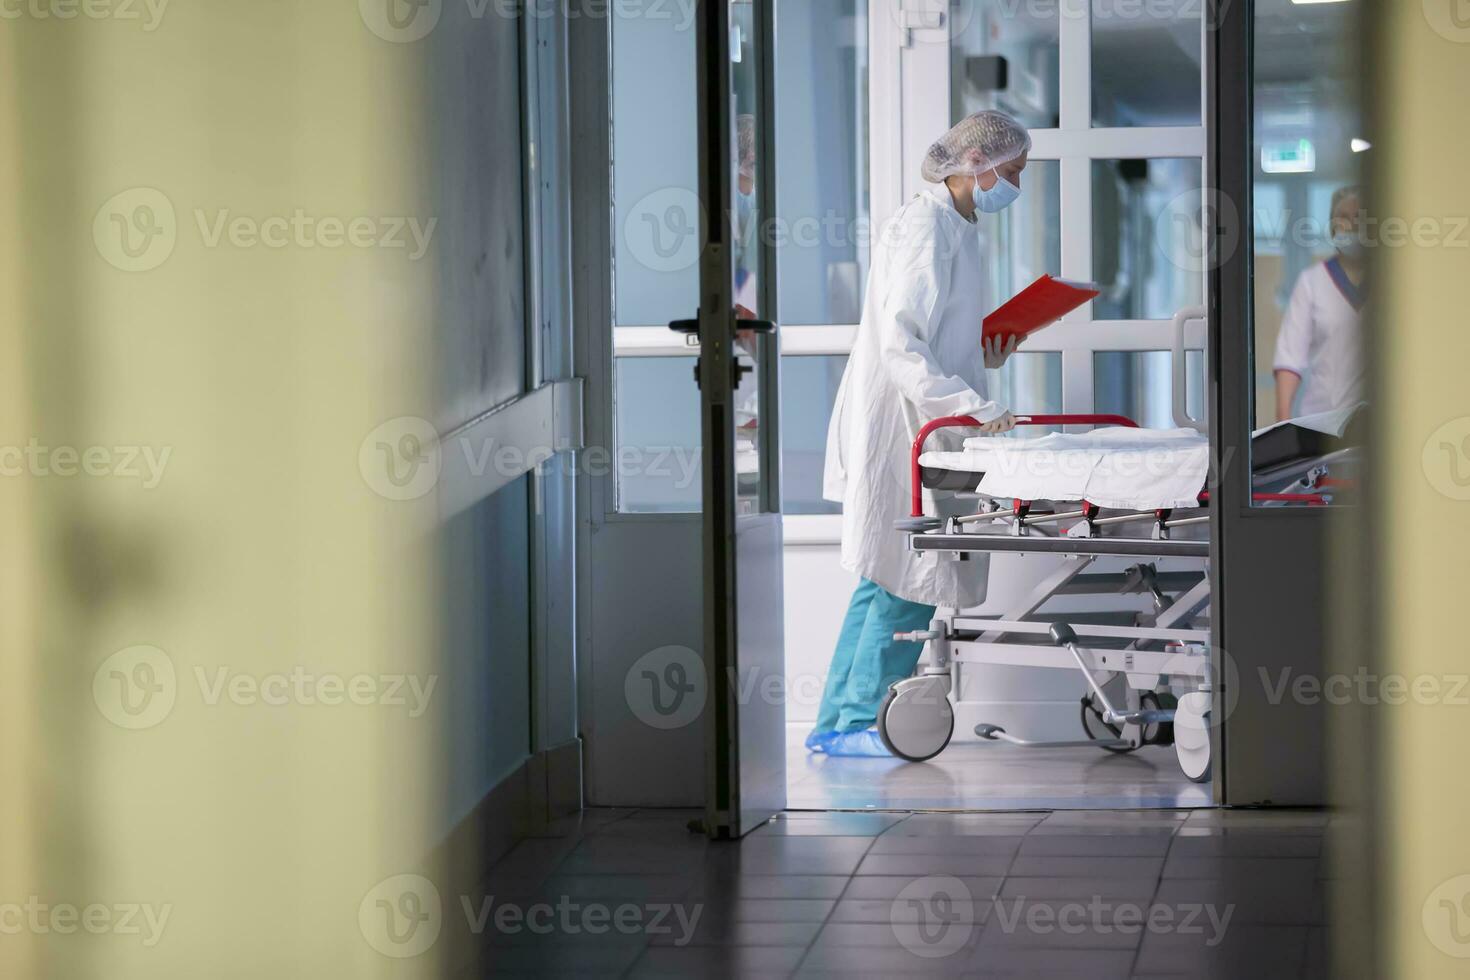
692,326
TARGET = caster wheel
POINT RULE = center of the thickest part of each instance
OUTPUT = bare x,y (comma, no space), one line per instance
916,720
1192,735
1097,729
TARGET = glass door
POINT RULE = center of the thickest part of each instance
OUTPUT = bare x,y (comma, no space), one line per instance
736,374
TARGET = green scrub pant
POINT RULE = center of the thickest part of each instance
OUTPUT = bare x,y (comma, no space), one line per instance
868,658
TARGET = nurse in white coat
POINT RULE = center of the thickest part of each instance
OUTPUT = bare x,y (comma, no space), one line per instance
918,356
1319,352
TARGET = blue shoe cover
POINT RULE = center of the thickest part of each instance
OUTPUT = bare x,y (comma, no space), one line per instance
860,743
817,741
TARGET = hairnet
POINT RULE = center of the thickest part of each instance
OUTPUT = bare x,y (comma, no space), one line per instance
1352,190
977,143
745,141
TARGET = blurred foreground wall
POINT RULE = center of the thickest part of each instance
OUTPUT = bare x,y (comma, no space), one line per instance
216,618
1404,903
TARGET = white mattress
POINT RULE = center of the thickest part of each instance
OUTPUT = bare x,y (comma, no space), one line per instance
1130,469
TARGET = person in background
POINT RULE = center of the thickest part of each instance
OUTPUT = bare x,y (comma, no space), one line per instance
744,225
1319,363
747,301
918,356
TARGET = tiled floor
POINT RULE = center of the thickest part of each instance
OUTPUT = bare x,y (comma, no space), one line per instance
990,776
1096,894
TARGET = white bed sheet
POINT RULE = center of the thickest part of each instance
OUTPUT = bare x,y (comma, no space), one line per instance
1129,469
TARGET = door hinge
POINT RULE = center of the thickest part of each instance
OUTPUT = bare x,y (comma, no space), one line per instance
919,15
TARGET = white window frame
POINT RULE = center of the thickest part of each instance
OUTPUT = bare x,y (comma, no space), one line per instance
909,103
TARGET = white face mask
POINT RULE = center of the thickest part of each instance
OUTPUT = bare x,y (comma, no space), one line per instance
1002,194
1348,243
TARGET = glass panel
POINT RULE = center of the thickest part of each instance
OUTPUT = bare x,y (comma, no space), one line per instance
823,233
657,454
1308,149
655,204
1030,384
1024,241
1004,55
1140,385
1147,243
1146,60
808,389
746,254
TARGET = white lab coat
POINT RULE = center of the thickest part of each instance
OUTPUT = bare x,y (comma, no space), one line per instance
1321,340
917,357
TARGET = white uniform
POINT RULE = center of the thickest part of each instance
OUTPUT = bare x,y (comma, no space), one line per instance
1321,340
917,357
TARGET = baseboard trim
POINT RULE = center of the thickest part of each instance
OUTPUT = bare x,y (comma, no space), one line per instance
544,787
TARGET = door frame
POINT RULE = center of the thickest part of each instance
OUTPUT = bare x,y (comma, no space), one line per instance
1267,613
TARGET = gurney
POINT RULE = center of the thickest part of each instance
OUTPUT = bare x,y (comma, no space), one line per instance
1096,500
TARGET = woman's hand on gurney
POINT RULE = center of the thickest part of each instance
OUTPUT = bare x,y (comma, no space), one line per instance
1005,423
997,351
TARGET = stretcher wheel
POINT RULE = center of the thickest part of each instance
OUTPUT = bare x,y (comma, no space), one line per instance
916,720
1092,715
1192,735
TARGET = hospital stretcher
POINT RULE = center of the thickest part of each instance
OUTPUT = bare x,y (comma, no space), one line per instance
1160,658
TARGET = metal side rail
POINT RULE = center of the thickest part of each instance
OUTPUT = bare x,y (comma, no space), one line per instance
1062,545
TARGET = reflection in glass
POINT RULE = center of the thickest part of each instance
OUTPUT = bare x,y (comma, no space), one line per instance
1146,61
822,156
1140,385
808,390
1024,241
1313,238
655,203
1317,363
658,445
746,253
1030,383
1308,293
1147,243
1004,55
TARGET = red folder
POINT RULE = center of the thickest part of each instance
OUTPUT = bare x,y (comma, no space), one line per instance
1040,304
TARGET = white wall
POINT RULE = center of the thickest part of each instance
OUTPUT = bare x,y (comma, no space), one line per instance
817,590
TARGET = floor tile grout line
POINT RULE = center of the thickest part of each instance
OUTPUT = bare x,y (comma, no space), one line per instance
581,836
1158,884
807,950
1005,876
